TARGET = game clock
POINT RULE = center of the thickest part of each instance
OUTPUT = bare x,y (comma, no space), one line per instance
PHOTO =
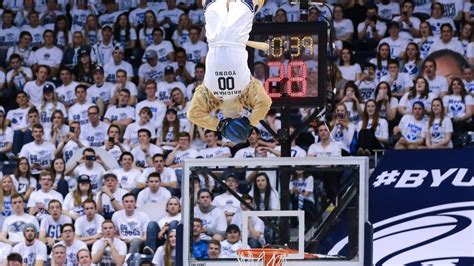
296,63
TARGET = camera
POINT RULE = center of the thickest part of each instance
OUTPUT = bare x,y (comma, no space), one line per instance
112,139
340,115
90,157
71,129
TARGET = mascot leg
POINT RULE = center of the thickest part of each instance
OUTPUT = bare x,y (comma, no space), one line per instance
256,99
202,104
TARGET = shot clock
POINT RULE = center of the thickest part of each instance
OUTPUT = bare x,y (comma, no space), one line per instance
296,61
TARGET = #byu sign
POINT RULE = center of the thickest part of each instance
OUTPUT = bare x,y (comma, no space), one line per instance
421,204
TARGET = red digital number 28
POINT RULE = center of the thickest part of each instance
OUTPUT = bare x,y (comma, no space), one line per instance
300,78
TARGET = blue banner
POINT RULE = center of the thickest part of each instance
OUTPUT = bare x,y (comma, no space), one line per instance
421,204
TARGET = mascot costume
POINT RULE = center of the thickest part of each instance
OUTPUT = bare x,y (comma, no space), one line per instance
228,84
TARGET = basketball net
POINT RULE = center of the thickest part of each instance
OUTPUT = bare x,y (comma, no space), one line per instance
262,257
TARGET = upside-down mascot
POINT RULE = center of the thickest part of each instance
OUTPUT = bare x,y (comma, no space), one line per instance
228,84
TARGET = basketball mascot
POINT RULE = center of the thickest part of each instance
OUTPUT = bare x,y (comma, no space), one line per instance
228,84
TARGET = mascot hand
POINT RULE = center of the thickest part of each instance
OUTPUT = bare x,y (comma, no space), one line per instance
236,130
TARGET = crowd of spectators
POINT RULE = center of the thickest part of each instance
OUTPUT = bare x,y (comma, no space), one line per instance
86,84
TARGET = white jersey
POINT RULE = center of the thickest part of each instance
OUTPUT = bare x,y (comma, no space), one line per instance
41,154
227,32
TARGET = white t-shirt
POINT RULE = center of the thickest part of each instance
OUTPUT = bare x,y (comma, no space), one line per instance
131,133
168,175
194,52
140,157
47,56
35,91
227,202
146,196
148,72
51,227
304,185
107,206
403,81
438,85
367,89
437,23
412,130
451,7
40,196
455,106
454,45
117,113
162,49
13,226
158,109
172,14
94,135
18,118
389,11
95,174
46,113
408,103
186,154
22,184
214,152
439,130
118,244
164,89
229,250
69,204
382,128
6,137
71,147
248,152
343,136
127,180
379,26
332,150
85,228
131,227
36,33
110,70
66,94
214,220
31,254
396,46
19,80
78,112
412,69
350,72
103,92
71,251
42,154
405,29
343,27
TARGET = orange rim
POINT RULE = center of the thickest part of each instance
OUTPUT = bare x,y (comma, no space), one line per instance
268,253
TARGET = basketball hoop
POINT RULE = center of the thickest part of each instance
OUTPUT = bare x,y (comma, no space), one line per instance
262,257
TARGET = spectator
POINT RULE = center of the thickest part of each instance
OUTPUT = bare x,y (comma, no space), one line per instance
23,180
344,27
110,15
121,114
150,70
214,249
438,85
169,16
23,48
342,129
411,60
437,20
33,250
426,39
412,128
63,37
181,34
395,41
181,152
196,50
35,29
124,33
166,254
57,131
292,10
266,198
214,221
73,203
418,93
446,41
281,16
466,37
109,248
468,79
226,201
168,177
66,90
112,144
212,149
349,69
58,255
7,189
468,14
72,142
326,147
372,129
156,232
153,192
62,182
145,151
124,83
39,152
165,87
25,135
12,233
453,9
146,33
367,82
88,226
50,228
399,83
459,106
388,9
163,48
127,174
386,104
84,257
143,122
302,196
157,108
199,245
109,199
131,224
184,69
34,88
49,104
112,66
71,55
351,99
101,91
167,132
18,75
14,259
92,165
79,110
410,25
39,200
440,127
232,243
253,141
6,137
10,33
83,71
381,60
102,50
199,70
18,118
256,227
49,55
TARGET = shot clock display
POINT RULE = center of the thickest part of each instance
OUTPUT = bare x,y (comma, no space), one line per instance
295,65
